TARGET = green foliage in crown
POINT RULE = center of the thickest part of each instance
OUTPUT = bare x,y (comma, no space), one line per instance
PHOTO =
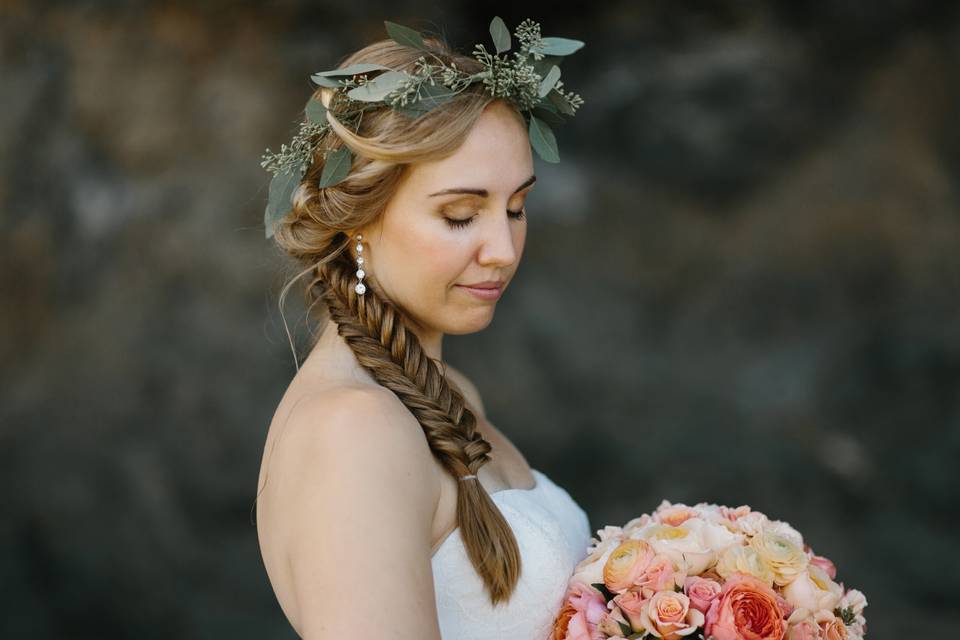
530,79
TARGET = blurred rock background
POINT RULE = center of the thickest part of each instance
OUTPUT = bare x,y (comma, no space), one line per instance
741,285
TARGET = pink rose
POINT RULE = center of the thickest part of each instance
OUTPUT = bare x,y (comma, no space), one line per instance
588,601
746,609
825,564
668,615
631,604
658,576
701,592
806,630
786,608
579,629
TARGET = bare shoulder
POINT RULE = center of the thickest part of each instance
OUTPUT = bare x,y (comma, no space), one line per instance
366,430
467,388
355,497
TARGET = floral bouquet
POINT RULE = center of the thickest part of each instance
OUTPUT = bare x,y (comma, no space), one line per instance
707,572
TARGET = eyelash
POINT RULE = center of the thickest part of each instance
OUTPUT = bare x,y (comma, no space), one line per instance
459,224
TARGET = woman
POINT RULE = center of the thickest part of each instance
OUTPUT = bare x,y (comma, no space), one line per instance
388,506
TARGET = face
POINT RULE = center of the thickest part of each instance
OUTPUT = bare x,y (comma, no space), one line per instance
455,222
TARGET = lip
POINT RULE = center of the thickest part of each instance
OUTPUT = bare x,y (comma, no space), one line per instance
484,293
486,284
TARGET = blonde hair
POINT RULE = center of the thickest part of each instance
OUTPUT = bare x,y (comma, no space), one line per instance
317,233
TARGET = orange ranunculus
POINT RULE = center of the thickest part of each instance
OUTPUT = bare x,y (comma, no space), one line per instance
563,619
746,609
626,564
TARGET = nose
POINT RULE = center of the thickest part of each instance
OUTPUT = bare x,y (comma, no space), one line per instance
499,245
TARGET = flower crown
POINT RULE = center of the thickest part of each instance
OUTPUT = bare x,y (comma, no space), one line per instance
530,80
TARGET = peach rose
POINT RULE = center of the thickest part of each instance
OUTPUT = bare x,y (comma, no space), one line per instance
658,576
746,609
674,515
701,591
834,630
611,621
804,630
631,604
734,514
626,564
668,615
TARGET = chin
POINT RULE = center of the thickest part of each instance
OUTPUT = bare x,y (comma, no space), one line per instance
470,323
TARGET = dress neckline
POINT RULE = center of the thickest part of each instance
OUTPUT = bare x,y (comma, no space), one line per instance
538,482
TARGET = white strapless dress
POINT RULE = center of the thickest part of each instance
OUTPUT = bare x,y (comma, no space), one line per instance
552,532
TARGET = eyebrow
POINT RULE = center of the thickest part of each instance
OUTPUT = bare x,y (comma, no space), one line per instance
482,192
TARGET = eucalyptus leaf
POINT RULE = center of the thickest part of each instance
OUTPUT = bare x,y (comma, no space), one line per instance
405,35
431,96
549,81
377,89
352,70
316,112
625,628
336,167
559,46
324,81
543,140
542,66
278,203
548,114
500,34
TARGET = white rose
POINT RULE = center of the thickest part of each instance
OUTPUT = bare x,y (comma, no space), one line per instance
692,546
604,536
814,591
855,600
590,569
637,523
752,523
785,530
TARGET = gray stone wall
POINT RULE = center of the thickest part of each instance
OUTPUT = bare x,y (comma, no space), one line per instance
740,285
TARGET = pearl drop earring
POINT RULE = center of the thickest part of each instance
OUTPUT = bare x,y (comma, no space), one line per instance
360,288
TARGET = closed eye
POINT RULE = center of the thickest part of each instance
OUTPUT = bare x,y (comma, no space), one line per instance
460,224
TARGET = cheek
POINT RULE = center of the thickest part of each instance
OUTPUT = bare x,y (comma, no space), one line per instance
435,260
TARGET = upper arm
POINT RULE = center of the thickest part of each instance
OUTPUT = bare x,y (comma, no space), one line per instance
467,388
360,515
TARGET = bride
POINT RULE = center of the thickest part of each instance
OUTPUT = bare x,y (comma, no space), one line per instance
388,506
